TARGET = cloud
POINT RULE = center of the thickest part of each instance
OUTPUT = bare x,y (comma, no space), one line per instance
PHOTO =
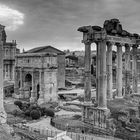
11,18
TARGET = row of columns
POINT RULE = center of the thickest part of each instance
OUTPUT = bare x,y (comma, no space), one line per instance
104,71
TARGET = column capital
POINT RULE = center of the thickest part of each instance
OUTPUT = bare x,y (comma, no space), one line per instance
127,45
119,44
108,43
135,46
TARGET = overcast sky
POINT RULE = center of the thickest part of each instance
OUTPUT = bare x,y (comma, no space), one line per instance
36,23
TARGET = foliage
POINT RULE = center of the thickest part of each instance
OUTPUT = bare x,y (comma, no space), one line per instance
48,112
18,103
35,114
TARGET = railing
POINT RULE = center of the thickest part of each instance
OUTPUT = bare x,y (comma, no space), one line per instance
51,133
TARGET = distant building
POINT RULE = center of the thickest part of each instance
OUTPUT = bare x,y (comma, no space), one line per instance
39,73
71,60
10,50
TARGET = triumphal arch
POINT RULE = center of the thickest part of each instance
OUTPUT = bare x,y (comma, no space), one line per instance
111,34
36,77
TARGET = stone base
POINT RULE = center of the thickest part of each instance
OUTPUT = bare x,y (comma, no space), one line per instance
116,97
40,101
32,100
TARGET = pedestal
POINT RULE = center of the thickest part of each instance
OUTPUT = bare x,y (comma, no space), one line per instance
41,98
33,98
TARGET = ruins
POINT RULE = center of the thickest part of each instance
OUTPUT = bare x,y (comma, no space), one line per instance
110,35
39,72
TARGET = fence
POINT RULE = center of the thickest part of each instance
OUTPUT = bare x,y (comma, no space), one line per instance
52,133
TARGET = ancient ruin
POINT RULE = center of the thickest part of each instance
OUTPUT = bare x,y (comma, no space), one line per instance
39,73
110,35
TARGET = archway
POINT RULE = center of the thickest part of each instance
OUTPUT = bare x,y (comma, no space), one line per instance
28,83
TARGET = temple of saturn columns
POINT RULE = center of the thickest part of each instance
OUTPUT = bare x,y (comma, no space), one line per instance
105,38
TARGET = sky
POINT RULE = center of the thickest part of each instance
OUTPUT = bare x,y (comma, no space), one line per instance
34,23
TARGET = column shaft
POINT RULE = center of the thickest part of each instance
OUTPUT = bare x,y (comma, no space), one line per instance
119,71
98,57
103,78
33,94
134,70
21,79
87,84
127,69
41,94
109,71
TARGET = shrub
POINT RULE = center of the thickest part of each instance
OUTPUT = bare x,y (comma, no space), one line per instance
35,114
27,113
18,103
49,112
25,106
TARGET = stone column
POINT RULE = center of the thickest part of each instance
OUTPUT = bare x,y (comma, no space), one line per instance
102,103
41,82
119,70
127,69
134,69
33,94
109,71
8,71
98,57
21,84
87,84
16,81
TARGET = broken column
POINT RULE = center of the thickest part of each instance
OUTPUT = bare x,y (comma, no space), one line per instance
119,71
127,69
109,71
134,69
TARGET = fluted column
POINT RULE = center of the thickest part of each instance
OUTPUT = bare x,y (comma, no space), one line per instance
127,69
41,82
102,102
134,69
33,94
87,84
119,70
109,71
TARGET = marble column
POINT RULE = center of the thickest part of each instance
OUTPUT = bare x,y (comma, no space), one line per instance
127,69
119,70
98,57
134,69
41,93
87,84
33,94
109,71
102,102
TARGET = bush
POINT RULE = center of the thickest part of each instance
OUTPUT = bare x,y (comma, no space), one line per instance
49,112
35,114
18,103
27,113
25,106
